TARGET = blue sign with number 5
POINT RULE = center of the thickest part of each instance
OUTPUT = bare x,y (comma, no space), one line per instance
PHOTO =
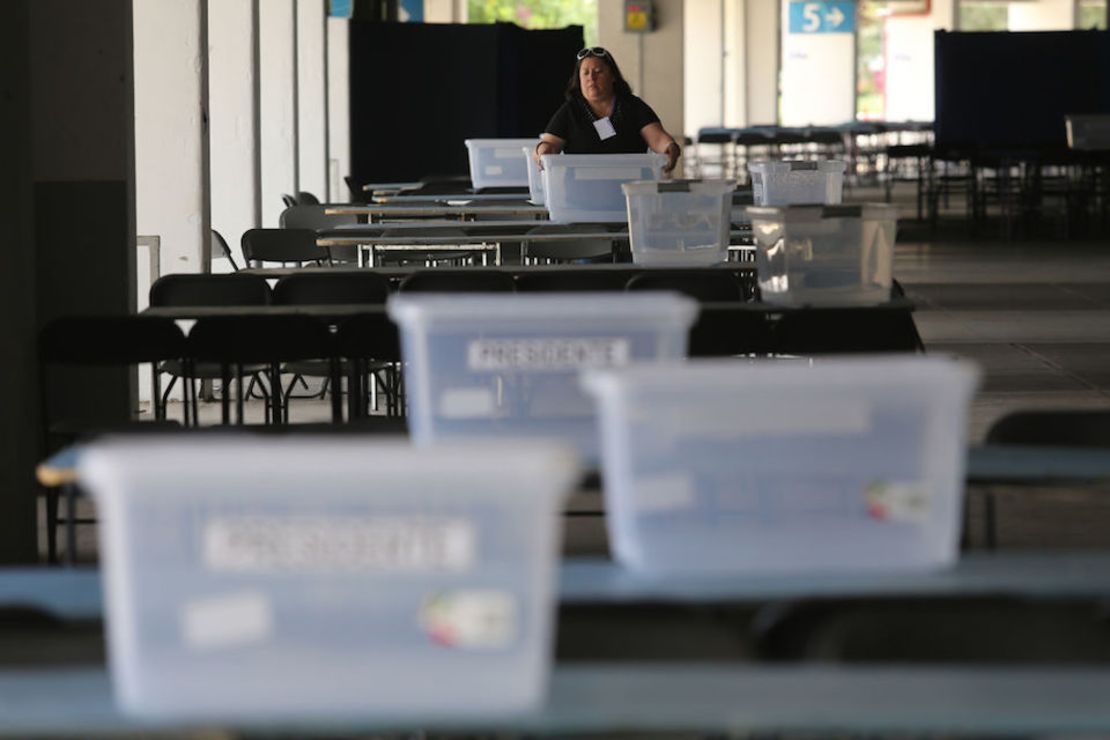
838,16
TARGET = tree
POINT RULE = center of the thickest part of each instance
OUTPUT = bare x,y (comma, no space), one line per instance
538,14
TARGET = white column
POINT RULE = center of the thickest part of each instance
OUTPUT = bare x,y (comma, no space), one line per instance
761,61
1042,15
818,63
909,61
168,130
703,66
310,81
276,106
339,110
231,122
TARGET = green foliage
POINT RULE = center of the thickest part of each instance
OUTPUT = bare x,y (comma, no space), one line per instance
1092,14
984,16
538,14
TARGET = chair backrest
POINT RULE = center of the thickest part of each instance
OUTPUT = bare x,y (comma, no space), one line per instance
847,330
331,288
282,245
704,285
600,250
110,340
251,339
563,280
312,216
306,198
370,337
1063,428
236,289
458,281
288,200
220,248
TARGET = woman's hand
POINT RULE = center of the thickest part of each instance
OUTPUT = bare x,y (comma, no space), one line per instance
673,153
549,144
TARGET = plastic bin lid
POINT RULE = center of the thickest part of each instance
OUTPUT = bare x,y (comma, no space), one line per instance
531,309
471,143
115,463
779,167
808,213
717,375
605,160
699,187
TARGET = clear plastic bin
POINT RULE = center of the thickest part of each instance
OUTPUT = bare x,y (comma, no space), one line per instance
1089,132
586,188
535,178
797,183
280,578
679,222
825,255
506,366
496,163
769,467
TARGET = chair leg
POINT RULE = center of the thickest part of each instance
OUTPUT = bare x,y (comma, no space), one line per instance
70,490
52,525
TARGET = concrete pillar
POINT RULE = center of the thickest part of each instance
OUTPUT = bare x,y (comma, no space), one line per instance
339,110
1042,15
19,424
651,62
68,209
761,61
310,97
279,151
703,65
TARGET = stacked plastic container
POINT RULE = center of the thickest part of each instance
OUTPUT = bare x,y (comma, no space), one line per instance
250,579
722,466
680,223
497,162
586,188
506,366
825,255
790,183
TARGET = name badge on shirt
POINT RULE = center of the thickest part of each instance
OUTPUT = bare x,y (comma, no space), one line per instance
605,128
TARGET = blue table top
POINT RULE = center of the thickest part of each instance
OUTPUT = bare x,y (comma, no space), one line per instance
670,697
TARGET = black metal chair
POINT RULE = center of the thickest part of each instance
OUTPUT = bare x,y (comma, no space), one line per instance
458,281
91,342
287,246
367,342
195,290
220,248
343,288
236,342
566,250
314,216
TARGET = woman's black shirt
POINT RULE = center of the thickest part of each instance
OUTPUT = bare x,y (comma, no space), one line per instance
574,123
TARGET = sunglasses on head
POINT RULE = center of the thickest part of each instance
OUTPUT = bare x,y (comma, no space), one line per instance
592,51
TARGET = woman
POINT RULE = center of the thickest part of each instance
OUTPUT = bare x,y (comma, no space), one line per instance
602,116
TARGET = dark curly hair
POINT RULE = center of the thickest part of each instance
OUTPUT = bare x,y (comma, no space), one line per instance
620,85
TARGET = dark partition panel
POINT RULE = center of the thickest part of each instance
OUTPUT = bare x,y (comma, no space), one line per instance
418,90
1012,90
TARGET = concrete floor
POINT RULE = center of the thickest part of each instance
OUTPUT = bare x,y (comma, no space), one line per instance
1033,313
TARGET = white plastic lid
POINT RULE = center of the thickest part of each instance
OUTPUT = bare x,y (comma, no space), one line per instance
811,213
698,187
604,160
525,310
506,143
782,167
722,376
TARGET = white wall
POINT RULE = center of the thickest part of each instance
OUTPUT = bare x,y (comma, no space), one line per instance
168,131
339,111
276,73
1042,15
231,122
310,81
761,54
818,76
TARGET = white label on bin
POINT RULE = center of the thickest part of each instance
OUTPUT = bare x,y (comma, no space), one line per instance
226,621
547,354
891,501
494,169
609,173
473,619
331,544
467,403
